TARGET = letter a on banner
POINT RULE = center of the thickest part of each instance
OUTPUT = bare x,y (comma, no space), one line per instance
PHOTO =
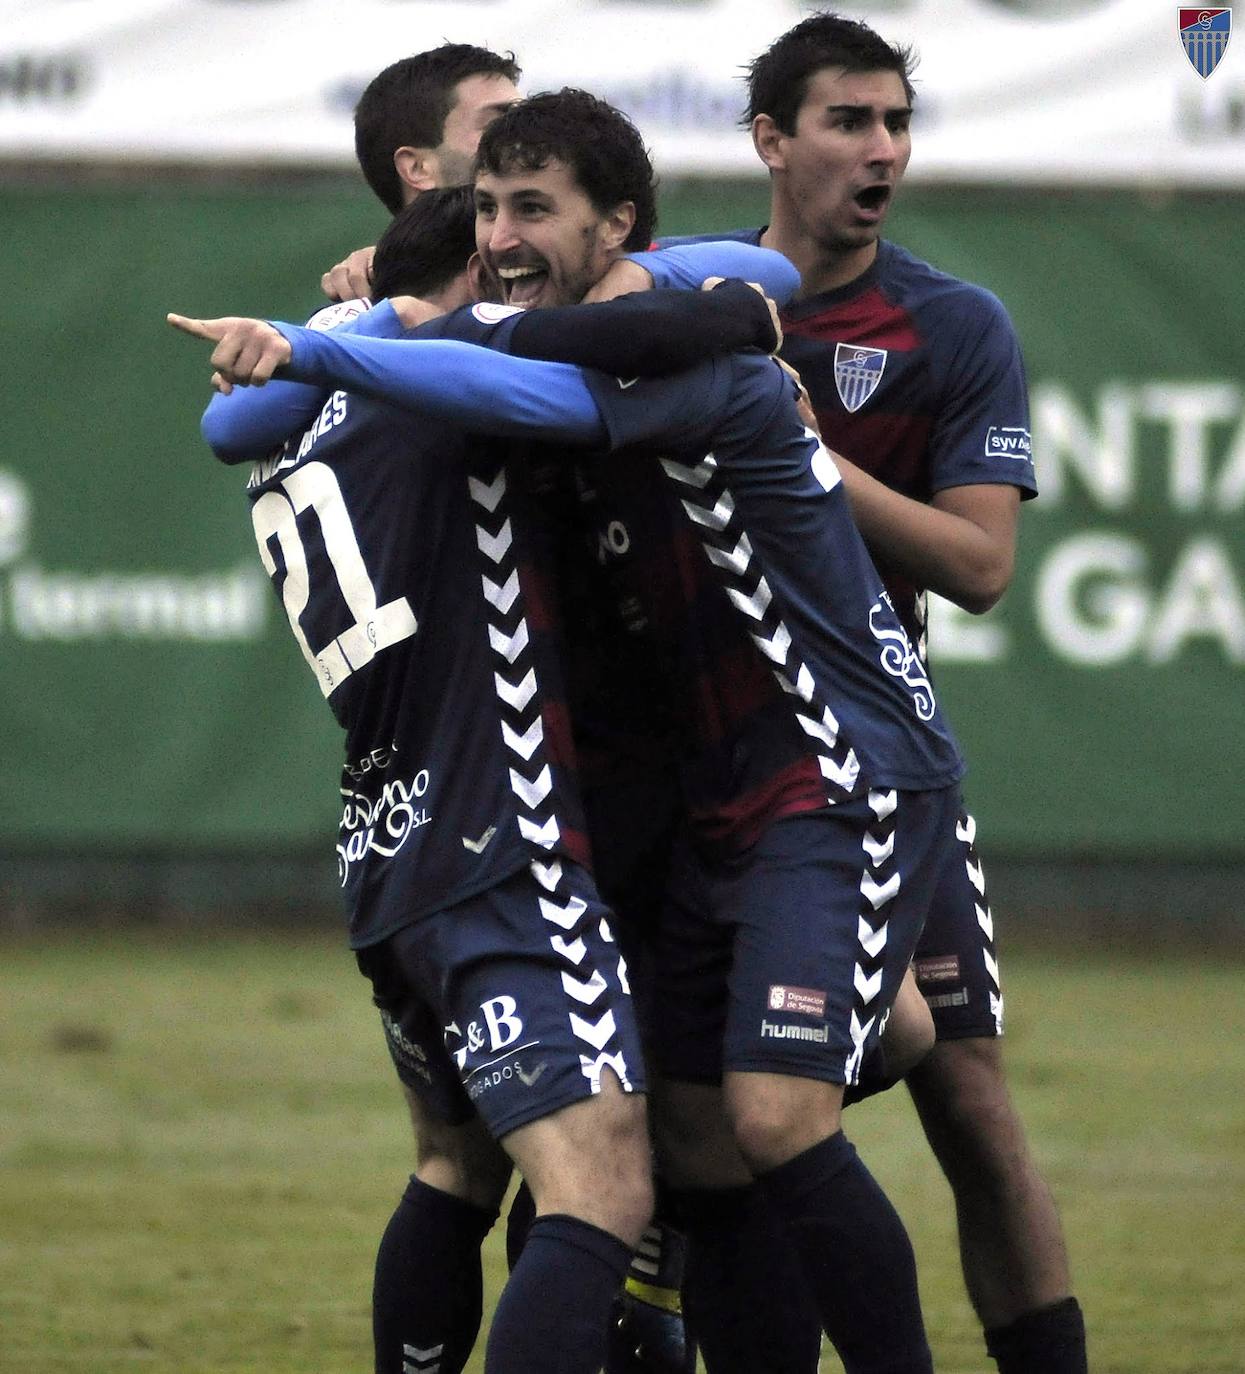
1205,35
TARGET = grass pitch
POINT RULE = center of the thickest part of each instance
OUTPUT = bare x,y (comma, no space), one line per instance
201,1140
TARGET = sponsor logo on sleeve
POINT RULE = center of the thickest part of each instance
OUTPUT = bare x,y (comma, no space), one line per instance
488,313
805,1001
1008,441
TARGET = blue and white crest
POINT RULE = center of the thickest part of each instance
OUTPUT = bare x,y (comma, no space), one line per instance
857,372
1204,34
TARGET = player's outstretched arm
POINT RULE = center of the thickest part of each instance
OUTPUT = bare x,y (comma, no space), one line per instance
457,382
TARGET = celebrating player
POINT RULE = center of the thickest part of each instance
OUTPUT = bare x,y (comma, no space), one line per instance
917,378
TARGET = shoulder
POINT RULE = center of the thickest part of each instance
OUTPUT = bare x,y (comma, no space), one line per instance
921,288
736,235
471,323
330,316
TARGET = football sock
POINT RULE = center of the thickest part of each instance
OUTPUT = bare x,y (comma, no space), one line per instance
1048,1341
745,1300
427,1293
647,1330
553,1314
518,1222
857,1258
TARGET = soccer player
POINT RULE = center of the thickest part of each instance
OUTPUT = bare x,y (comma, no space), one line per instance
416,594
416,127
820,816
917,378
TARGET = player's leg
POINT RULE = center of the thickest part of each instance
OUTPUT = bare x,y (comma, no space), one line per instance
427,1292
541,1029
1011,1242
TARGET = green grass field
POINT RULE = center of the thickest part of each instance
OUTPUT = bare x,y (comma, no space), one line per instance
200,1141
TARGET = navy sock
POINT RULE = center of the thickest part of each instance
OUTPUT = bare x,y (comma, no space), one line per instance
518,1223
1048,1341
427,1294
553,1314
744,1297
857,1258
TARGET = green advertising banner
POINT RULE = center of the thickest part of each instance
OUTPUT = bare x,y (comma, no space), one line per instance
155,702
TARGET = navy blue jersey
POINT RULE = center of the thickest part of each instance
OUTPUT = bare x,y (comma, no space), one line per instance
407,557
917,378
793,593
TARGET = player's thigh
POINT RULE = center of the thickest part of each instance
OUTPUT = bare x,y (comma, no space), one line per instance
956,960
826,911
526,991
461,1159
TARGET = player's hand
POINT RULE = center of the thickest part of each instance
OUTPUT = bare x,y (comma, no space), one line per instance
623,277
351,278
803,404
710,282
247,352
412,311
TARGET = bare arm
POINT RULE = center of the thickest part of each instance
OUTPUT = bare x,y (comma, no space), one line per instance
961,545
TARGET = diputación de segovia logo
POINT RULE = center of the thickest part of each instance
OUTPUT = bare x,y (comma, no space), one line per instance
1205,34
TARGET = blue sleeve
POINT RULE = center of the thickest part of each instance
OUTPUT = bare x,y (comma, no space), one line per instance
488,392
686,265
251,421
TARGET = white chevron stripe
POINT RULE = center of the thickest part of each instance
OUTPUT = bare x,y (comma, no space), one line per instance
593,1068
755,605
966,830
699,476
566,915
509,646
879,850
624,980
826,729
584,990
873,942
502,596
992,966
976,876
426,1361
532,791
545,835
606,933
596,1033
883,803
526,744
574,950
517,695
877,895
986,921
495,546
547,875
843,774
716,519
734,560
490,493
777,646
867,987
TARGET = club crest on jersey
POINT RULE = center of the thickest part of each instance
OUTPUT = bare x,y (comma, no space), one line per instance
1204,34
857,372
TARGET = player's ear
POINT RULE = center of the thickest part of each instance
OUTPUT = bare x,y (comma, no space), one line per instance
417,168
484,285
767,139
616,227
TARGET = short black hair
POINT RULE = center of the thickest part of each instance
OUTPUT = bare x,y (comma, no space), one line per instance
600,145
426,245
778,79
406,105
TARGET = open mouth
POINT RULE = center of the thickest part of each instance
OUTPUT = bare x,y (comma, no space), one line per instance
873,199
522,285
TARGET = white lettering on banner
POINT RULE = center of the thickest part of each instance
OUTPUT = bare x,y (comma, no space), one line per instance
1100,446
14,517
1097,605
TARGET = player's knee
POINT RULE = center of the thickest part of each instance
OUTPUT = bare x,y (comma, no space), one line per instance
774,1118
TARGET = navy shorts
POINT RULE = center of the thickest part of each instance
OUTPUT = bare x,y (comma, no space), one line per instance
787,958
956,962
510,1004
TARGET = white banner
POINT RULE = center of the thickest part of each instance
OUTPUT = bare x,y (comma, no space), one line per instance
1095,93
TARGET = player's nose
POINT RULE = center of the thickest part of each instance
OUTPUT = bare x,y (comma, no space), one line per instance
503,234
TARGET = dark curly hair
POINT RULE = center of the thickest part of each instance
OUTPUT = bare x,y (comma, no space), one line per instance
600,145
426,245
